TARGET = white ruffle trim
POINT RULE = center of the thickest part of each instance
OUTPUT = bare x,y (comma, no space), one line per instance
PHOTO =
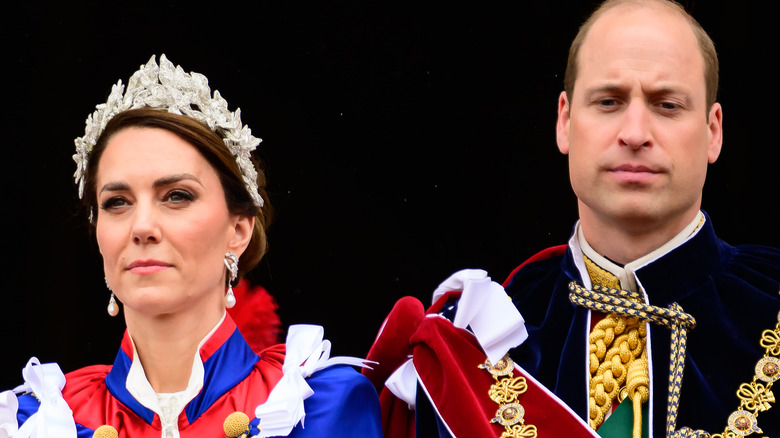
54,419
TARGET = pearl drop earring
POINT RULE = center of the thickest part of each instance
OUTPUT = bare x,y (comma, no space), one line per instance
113,308
231,262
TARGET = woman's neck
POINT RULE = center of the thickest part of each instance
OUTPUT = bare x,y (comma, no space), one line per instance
166,344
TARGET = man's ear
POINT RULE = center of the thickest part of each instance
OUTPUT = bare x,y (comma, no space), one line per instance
715,127
562,126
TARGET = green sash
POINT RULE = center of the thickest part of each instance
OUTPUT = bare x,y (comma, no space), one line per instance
621,422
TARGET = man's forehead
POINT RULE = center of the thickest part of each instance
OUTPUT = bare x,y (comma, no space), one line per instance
652,44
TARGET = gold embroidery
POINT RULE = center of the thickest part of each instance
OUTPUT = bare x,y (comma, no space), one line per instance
599,275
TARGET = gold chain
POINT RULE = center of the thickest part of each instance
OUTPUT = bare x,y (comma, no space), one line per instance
756,396
506,392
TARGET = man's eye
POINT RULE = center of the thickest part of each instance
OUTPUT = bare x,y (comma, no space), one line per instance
607,103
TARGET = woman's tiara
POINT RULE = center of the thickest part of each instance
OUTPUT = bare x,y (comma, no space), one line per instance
170,88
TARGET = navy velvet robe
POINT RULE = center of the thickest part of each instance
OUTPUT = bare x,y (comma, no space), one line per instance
732,291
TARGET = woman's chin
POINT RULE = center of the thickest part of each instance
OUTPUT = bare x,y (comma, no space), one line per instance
154,301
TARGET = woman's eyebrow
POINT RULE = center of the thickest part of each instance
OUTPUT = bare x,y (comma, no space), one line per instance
115,187
160,182
172,179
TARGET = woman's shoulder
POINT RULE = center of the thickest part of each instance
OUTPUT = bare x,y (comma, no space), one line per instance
319,395
344,404
84,379
340,381
86,393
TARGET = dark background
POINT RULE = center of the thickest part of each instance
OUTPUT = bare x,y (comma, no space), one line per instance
404,141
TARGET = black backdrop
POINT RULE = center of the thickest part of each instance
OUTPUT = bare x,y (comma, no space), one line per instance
404,141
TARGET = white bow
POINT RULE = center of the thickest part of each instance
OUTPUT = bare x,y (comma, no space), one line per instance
9,405
54,419
306,354
485,307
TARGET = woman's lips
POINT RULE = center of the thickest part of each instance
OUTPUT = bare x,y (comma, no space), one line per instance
147,266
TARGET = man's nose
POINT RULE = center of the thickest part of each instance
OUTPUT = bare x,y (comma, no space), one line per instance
635,128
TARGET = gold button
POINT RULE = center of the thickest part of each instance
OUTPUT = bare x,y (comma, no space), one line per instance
105,431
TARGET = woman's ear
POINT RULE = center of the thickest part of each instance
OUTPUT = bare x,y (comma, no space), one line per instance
243,226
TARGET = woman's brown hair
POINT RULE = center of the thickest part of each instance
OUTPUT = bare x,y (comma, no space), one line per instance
212,147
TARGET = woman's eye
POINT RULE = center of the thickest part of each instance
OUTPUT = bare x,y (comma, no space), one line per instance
114,202
179,196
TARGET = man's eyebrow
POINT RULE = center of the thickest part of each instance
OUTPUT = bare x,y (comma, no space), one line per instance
670,90
655,92
606,88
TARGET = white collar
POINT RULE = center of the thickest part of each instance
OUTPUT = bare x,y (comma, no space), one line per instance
627,274
140,388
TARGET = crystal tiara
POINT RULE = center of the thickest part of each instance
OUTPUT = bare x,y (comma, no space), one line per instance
169,87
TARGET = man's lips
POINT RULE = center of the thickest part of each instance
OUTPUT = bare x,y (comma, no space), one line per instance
147,266
633,173
637,168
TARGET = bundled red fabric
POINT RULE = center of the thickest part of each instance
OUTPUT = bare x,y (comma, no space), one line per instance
392,348
255,315
446,359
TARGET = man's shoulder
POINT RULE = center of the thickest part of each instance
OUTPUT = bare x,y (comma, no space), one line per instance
757,254
544,265
757,265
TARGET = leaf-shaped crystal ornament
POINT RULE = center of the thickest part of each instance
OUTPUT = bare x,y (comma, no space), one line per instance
169,87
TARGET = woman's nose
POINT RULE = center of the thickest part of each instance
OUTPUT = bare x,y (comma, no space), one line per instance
146,227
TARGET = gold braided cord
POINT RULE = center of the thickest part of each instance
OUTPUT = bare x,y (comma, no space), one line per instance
616,344
618,356
604,299
638,385
755,397
615,301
